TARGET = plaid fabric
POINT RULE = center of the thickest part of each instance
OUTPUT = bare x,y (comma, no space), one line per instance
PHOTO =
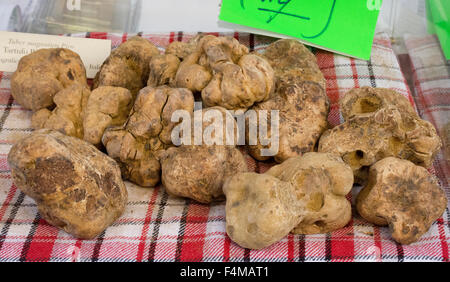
431,80
158,227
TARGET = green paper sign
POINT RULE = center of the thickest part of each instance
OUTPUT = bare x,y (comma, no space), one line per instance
342,26
438,14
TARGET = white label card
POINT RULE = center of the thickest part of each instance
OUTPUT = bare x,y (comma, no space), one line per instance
15,45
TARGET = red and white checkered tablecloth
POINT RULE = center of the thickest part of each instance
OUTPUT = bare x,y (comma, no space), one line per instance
431,79
159,227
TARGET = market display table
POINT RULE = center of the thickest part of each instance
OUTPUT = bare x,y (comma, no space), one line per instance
159,227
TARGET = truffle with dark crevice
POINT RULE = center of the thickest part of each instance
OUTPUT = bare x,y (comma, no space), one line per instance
76,187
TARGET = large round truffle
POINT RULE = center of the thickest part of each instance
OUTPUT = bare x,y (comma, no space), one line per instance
42,74
76,187
292,61
260,209
322,181
199,169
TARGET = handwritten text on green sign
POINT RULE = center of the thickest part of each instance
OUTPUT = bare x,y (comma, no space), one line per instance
346,26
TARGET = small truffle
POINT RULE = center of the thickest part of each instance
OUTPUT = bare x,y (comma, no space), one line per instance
67,116
402,195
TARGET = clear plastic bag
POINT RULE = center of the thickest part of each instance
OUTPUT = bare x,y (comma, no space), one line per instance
73,16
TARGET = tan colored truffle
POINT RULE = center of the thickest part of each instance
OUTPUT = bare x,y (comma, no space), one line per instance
128,65
76,187
402,195
299,97
67,116
322,181
106,106
198,170
183,49
303,110
380,124
163,69
292,62
240,85
226,75
303,195
42,74
260,209
367,100
137,144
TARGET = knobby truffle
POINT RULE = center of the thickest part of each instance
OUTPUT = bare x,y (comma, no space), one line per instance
303,195
128,65
402,195
137,144
43,73
199,171
299,96
380,123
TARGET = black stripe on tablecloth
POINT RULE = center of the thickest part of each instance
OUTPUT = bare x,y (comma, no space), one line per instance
448,217
17,129
180,36
181,230
6,111
328,255
373,82
400,253
98,245
301,248
29,239
157,224
11,217
246,255
251,42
